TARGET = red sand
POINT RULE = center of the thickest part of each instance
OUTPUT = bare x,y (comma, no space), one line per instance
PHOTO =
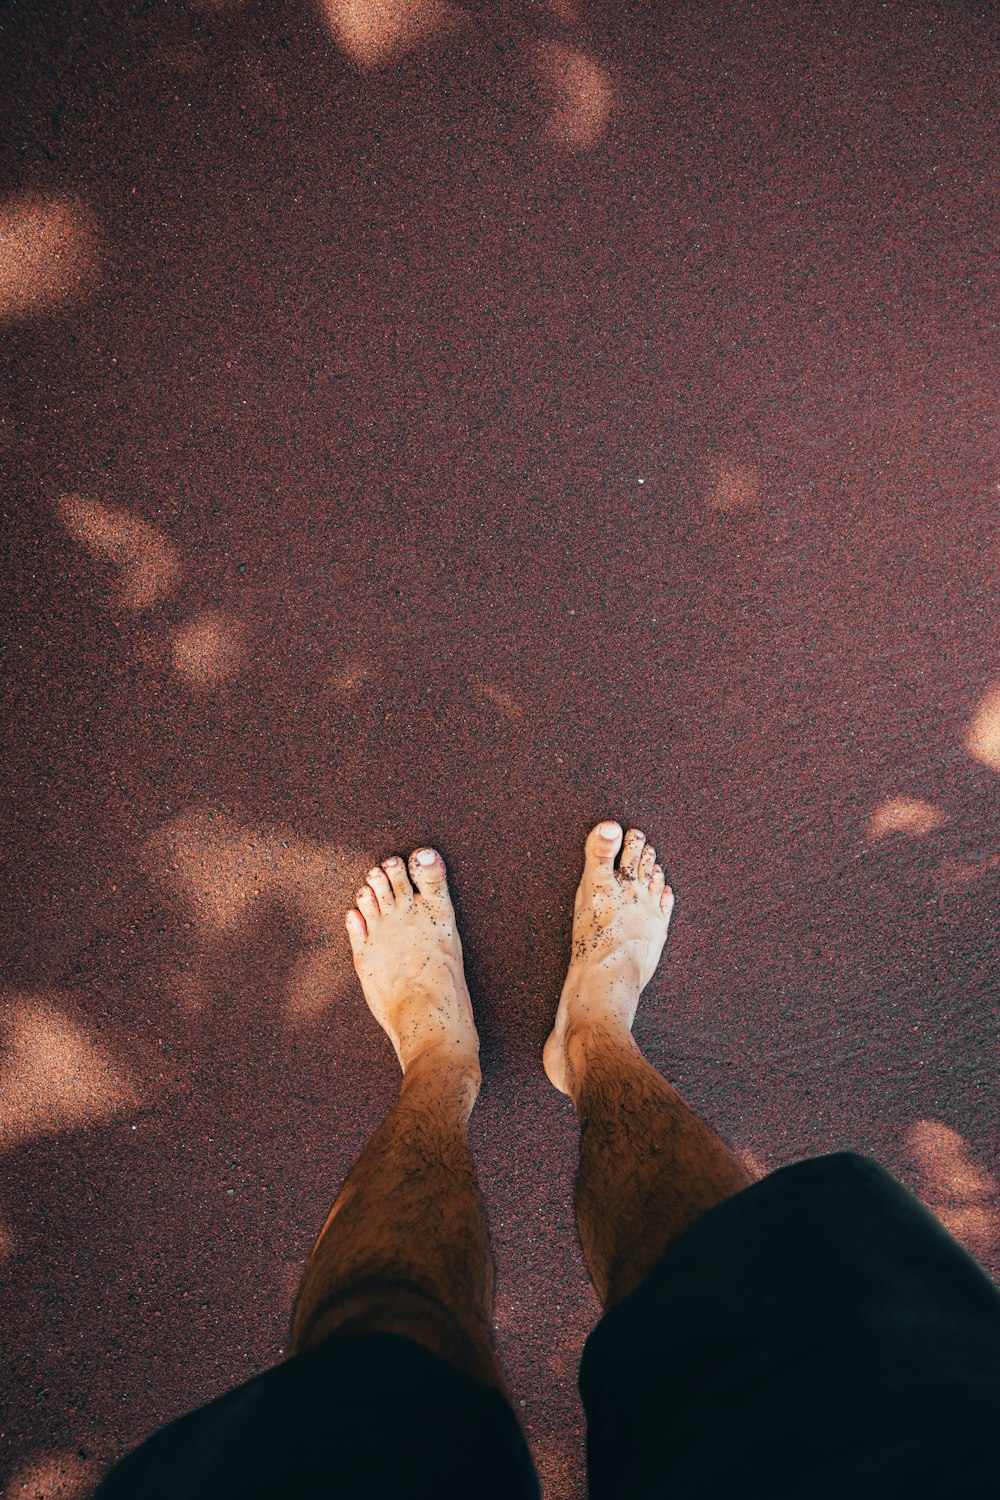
462,441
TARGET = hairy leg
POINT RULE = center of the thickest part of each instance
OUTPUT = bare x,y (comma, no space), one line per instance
406,1248
649,1166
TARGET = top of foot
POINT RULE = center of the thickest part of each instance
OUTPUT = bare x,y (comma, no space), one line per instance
621,913
408,957
620,922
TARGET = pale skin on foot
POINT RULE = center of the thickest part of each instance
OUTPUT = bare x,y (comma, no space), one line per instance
408,954
620,922
405,1248
408,957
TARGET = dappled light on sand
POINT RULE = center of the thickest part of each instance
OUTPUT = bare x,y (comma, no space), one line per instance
222,870
48,254
62,1475
911,816
963,1195
376,32
148,563
983,738
315,974
751,1163
505,702
53,1077
957,873
208,650
581,93
736,488
566,11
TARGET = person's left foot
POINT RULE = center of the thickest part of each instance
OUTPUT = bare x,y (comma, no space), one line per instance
408,956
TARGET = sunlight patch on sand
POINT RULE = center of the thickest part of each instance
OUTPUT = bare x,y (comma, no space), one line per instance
505,702
53,1077
737,487
958,872
208,650
567,11
48,254
149,564
376,32
222,869
752,1164
62,1475
908,815
963,1195
982,739
314,977
581,93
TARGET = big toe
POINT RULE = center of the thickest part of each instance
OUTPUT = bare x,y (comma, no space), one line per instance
428,873
603,843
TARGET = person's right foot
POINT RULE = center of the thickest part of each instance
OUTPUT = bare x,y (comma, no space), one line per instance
620,923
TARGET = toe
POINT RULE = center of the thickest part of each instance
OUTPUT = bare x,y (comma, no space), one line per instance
400,881
601,848
657,880
667,901
646,863
384,894
367,905
632,849
428,872
356,930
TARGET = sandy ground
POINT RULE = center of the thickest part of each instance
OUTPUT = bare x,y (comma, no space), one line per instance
459,424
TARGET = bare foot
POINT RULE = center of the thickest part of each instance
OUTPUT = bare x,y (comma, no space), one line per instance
408,956
620,925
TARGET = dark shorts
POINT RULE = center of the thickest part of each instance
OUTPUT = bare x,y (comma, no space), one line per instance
819,1335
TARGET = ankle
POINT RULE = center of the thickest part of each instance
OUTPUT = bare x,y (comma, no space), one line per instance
444,1066
599,1039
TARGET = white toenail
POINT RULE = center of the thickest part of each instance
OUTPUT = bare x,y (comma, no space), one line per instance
609,830
426,857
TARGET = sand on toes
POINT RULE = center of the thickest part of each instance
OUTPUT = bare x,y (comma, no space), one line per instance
620,922
408,957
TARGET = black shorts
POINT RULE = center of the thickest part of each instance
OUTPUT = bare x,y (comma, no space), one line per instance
819,1335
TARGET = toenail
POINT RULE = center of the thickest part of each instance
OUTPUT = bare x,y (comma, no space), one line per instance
426,857
609,830
394,862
